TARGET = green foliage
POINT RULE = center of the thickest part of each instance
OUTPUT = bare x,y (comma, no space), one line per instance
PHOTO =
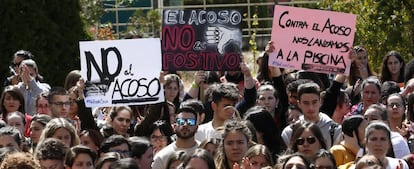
50,29
147,23
92,10
381,26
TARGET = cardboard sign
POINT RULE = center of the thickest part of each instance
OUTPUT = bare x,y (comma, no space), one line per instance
121,72
195,39
312,40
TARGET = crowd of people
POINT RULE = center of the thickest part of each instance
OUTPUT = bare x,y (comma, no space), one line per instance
280,119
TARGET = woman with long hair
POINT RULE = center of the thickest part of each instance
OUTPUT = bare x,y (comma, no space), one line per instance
392,68
236,141
307,139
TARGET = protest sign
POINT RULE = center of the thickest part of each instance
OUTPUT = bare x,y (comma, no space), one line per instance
195,39
312,40
121,72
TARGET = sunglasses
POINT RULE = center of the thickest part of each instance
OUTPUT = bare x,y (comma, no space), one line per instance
310,140
183,121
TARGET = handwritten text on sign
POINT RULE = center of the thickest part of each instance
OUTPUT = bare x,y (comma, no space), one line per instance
196,39
313,40
121,72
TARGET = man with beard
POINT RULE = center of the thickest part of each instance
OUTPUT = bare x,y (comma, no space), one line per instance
185,127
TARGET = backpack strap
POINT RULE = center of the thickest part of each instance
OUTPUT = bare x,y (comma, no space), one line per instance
332,132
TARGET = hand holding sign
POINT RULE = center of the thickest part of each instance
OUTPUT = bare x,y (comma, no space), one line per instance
221,36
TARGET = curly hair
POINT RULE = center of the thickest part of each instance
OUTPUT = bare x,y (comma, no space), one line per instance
20,160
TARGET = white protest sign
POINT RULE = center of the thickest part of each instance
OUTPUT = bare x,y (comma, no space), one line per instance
121,72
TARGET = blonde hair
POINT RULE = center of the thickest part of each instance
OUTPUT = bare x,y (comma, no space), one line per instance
55,124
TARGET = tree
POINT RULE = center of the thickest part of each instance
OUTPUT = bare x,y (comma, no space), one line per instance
382,25
146,23
50,29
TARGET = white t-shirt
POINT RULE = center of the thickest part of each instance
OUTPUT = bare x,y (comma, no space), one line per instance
206,131
161,158
393,163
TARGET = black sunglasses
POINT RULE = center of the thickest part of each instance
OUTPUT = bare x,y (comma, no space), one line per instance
310,140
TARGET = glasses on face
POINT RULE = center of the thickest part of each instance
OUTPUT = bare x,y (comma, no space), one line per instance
61,103
158,138
310,140
183,121
397,105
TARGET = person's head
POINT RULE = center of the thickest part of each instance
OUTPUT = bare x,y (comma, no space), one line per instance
10,137
106,160
141,151
395,104
91,138
17,120
292,90
267,96
120,119
378,139
410,107
20,160
370,91
59,101
116,143
409,71
324,160
74,96
343,103
124,163
72,79
186,123
42,104
376,112
4,151
80,157
224,95
236,141
267,132
354,126
369,161
293,113
259,156
200,159
174,160
387,88
11,100
161,133
51,153
309,100
361,56
294,161
61,129
210,145
37,125
392,65
172,87
19,56
307,139
198,106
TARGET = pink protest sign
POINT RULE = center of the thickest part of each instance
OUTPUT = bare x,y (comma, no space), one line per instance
312,40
